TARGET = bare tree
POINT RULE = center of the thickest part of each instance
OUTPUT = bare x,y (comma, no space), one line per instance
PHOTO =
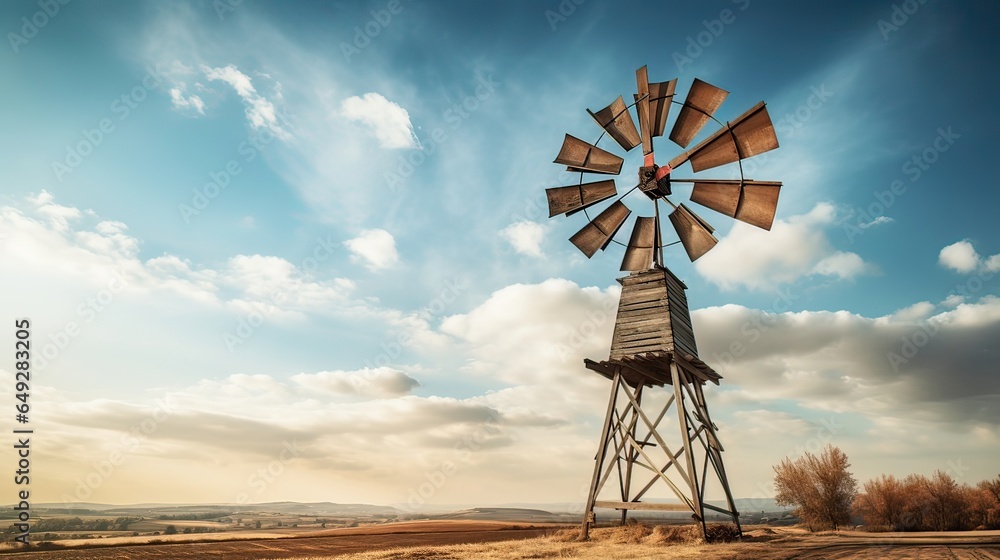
990,490
883,502
945,505
821,488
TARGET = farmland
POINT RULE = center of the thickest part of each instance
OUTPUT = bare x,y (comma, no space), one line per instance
493,540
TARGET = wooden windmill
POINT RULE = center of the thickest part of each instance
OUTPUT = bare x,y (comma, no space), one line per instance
653,345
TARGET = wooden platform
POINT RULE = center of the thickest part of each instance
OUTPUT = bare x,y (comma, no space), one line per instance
653,368
650,506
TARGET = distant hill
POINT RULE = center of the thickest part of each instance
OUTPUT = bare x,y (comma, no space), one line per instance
507,514
295,508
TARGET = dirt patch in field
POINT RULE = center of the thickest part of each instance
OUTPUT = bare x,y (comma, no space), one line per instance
464,540
332,543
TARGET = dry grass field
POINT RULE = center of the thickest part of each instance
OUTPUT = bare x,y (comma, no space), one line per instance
465,540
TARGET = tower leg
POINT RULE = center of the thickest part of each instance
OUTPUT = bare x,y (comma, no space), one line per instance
588,513
632,453
679,380
716,455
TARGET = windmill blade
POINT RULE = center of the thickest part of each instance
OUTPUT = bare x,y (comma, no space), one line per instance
702,101
572,199
641,246
616,119
750,134
642,108
753,202
661,97
695,233
760,199
598,233
578,155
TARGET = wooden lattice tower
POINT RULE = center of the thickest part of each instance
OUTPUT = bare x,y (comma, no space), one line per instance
654,345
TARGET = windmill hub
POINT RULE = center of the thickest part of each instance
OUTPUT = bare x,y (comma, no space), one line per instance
654,181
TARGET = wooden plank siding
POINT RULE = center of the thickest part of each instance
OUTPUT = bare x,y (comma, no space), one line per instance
652,316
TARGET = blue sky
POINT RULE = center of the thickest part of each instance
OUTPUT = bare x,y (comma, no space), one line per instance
378,279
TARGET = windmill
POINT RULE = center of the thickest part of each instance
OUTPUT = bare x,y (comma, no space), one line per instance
653,344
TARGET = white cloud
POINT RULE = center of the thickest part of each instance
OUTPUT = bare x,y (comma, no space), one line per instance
55,238
524,333
379,382
908,365
876,222
192,102
757,259
841,265
526,237
960,257
917,311
387,120
260,112
375,248
59,216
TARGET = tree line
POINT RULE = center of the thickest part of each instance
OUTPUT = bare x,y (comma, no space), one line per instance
825,495
77,524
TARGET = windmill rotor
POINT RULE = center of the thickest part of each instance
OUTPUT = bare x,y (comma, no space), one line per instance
749,201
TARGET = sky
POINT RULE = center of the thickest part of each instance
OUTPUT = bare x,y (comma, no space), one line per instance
274,251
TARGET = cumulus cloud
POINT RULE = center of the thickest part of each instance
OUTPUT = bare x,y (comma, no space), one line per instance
962,257
844,266
57,238
378,382
233,425
366,433
190,102
389,122
912,364
794,248
526,237
522,330
375,248
259,110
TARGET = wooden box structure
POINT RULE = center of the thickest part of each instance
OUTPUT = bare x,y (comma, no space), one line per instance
654,346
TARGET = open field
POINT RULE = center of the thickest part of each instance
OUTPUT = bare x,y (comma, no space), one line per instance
468,540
